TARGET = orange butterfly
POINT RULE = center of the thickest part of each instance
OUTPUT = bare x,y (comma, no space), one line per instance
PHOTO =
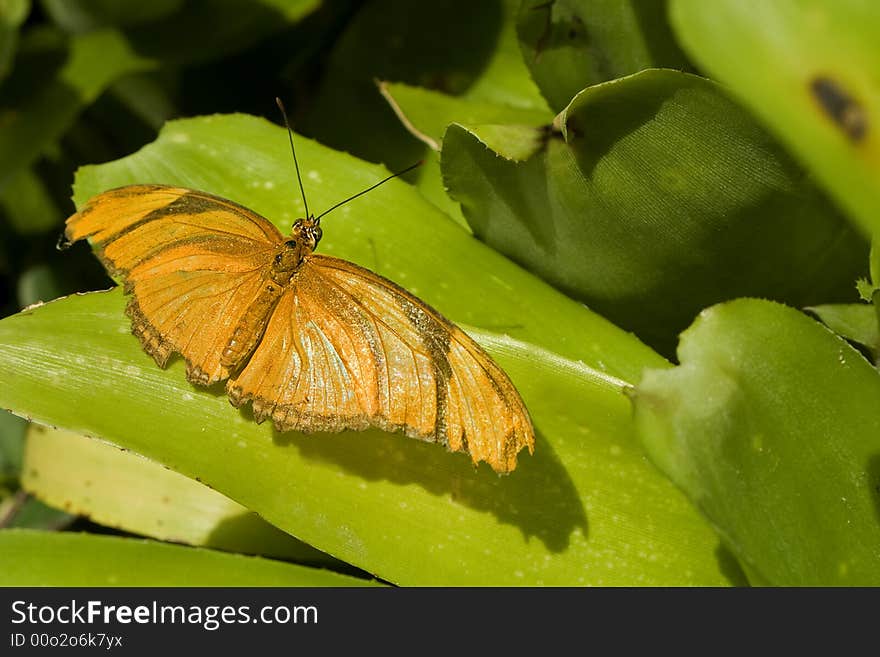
314,342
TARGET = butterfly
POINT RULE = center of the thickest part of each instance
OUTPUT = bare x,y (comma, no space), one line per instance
313,342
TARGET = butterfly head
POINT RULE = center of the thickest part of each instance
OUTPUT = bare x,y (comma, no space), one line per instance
307,233
303,239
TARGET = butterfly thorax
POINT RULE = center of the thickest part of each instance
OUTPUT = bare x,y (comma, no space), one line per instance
286,261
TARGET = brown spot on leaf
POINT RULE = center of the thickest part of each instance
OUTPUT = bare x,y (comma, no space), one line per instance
840,107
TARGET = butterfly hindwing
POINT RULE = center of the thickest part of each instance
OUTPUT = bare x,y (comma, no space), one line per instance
346,349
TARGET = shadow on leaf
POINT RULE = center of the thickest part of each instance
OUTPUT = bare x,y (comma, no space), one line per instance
538,497
873,471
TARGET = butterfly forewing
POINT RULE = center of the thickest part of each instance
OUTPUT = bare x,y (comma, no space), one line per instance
131,224
193,263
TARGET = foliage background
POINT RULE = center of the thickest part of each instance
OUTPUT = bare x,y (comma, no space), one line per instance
601,176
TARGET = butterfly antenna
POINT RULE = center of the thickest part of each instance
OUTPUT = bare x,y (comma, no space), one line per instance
371,188
293,150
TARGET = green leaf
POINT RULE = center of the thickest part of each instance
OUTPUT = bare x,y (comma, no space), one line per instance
43,97
586,508
427,113
121,489
375,499
516,143
664,198
430,184
808,70
12,14
36,558
770,426
854,321
573,44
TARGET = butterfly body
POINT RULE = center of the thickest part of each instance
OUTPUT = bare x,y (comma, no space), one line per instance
306,234
250,328
312,342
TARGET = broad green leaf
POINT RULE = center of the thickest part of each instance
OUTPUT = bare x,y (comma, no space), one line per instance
516,143
45,94
586,508
770,425
853,321
12,14
430,184
602,515
573,44
37,558
663,198
126,491
808,69
426,113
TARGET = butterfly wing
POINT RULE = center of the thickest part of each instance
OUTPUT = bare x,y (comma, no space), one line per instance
347,349
193,263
